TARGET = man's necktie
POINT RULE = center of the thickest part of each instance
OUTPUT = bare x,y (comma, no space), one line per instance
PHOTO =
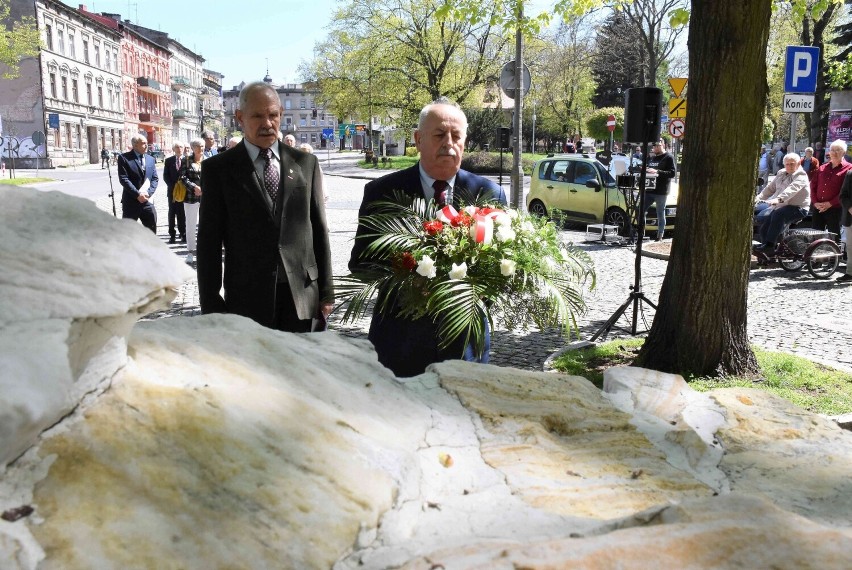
440,187
177,164
271,174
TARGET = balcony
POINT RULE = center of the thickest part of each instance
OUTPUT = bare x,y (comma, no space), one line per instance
180,114
149,85
151,119
180,82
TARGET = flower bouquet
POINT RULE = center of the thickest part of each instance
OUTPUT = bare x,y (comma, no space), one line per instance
461,267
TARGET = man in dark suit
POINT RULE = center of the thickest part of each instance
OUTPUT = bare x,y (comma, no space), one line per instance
408,346
137,173
263,201
170,175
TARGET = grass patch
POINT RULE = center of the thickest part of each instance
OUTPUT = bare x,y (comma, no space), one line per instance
23,181
393,163
814,387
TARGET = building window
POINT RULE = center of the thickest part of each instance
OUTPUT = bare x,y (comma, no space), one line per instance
89,94
97,55
71,48
289,120
313,122
74,93
100,97
65,88
302,104
313,138
86,51
303,122
60,36
288,105
48,31
67,135
53,85
77,138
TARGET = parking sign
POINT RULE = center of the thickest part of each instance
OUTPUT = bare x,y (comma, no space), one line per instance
800,72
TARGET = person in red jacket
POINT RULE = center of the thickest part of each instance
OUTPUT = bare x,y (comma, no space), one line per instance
825,190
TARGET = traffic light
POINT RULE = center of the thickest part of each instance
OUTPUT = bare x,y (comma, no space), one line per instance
315,113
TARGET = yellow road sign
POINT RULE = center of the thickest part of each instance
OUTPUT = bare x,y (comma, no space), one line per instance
677,108
677,84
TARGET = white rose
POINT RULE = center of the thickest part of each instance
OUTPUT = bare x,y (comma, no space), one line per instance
470,210
502,219
528,227
507,267
512,213
426,267
458,271
505,233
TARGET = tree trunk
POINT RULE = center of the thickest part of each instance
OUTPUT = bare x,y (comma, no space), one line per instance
700,326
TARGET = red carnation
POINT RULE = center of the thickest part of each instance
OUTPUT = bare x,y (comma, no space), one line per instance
432,227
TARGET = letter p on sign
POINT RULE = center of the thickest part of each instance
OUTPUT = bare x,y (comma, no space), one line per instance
800,72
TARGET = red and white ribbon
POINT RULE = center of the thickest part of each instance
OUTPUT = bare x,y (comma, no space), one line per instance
482,229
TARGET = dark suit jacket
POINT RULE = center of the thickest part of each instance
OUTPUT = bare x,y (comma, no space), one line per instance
170,173
236,213
131,176
407,347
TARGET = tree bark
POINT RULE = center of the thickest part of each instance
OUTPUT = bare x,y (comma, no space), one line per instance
700,325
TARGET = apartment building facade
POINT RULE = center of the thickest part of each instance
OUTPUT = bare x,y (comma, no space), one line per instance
303,113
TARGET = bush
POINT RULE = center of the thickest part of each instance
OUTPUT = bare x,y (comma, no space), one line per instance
411,151
489,163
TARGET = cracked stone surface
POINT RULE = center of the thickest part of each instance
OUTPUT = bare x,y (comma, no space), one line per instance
74,282
211,442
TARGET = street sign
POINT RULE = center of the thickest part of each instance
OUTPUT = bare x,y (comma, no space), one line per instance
800,70
508,82
677,128
610,123
677,108
798,103
38,138
53,120
328,134
677,84
664,118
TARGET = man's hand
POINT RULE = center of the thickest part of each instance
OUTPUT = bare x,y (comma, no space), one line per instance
325,309
198,190
822,206
143,197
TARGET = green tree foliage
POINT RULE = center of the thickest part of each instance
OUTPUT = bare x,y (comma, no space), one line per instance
482,126
616,60
563,94
839,73
657,36
391,57
596,123
19,39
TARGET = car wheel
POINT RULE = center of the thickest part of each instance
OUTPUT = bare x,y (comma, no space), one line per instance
537,209
617,217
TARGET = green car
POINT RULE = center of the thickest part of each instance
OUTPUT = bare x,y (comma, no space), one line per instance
581,189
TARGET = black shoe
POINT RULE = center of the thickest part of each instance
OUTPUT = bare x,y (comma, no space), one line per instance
172,240
182,239
845,278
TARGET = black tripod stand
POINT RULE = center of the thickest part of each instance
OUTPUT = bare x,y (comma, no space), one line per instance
636,295
111,191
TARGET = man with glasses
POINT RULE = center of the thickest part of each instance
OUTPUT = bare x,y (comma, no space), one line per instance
660,164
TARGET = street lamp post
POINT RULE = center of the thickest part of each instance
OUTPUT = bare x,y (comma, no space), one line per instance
533,128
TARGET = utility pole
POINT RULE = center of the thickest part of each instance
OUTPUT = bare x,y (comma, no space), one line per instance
517,188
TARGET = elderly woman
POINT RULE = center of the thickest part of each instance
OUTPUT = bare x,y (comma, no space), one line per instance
190,174
784,200
809,163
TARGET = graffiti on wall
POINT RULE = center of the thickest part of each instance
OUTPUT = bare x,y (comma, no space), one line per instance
20,147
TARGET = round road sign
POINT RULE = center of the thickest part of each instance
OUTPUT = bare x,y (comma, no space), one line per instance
676,128
610,123
38,138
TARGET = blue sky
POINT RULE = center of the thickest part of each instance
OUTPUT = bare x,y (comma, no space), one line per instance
234,37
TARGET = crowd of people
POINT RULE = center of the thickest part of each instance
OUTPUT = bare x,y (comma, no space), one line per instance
802,186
